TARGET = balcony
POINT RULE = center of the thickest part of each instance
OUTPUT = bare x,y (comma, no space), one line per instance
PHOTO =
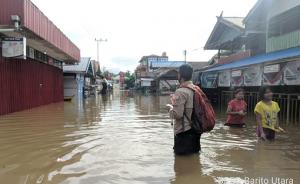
282,42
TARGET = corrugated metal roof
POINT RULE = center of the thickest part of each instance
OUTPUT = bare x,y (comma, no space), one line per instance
166,64
81,67
198,65
237,21
273,56
226,30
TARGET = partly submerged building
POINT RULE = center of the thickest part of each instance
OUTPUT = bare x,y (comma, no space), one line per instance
265,53
78,77
271,40
144,73
31,55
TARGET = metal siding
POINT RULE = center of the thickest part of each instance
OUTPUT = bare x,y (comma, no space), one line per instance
8,8
36,21
33,19
20,85
282,42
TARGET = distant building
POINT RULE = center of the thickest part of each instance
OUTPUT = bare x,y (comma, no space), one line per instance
122,80
157,73
78,77
31,56
97,70
144,72
155,65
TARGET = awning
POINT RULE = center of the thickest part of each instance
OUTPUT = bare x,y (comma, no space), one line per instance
273,56
82,67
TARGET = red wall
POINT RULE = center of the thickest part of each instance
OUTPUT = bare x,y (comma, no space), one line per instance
8,8
34,20
25,84
39,23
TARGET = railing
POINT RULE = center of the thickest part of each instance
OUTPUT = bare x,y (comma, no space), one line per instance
289,105
285,41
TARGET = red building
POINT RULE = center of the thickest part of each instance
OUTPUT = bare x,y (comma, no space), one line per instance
35,77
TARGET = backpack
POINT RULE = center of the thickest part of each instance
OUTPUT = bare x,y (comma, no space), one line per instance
203,115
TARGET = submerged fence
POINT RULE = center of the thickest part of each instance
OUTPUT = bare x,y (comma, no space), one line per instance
289,105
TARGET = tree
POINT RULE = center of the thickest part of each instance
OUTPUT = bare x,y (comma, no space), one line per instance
129,79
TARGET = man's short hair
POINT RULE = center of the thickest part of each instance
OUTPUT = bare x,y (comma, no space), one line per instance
186,72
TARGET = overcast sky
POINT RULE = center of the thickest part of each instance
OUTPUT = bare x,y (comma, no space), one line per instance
140,27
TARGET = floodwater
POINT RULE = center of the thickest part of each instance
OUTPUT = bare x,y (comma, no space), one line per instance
127,139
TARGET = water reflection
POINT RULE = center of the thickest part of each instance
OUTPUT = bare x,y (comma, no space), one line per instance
127,138
188,169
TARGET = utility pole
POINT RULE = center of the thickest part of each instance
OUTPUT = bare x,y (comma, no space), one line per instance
98,46
184,53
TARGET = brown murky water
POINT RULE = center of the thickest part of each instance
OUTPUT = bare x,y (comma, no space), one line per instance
128,140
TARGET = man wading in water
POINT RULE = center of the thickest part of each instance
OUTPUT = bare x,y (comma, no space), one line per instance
192,113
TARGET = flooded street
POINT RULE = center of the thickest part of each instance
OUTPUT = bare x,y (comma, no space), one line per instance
128,139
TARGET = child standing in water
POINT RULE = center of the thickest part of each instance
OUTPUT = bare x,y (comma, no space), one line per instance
266,112
236,110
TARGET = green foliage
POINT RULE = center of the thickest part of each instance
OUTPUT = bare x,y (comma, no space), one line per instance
129,79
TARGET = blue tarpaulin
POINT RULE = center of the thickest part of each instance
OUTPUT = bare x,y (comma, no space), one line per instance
273,56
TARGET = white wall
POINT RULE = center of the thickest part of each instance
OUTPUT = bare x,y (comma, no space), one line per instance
70,86
73,86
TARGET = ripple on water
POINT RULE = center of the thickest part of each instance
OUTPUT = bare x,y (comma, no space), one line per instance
129,140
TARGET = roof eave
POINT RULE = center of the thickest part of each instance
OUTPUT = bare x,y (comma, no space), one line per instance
211,35
208,45
232,25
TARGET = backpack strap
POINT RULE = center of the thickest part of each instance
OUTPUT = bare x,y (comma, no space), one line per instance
195,89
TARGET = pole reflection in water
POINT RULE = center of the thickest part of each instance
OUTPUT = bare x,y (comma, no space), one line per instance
127,138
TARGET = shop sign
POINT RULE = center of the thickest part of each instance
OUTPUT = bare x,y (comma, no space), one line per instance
14,47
